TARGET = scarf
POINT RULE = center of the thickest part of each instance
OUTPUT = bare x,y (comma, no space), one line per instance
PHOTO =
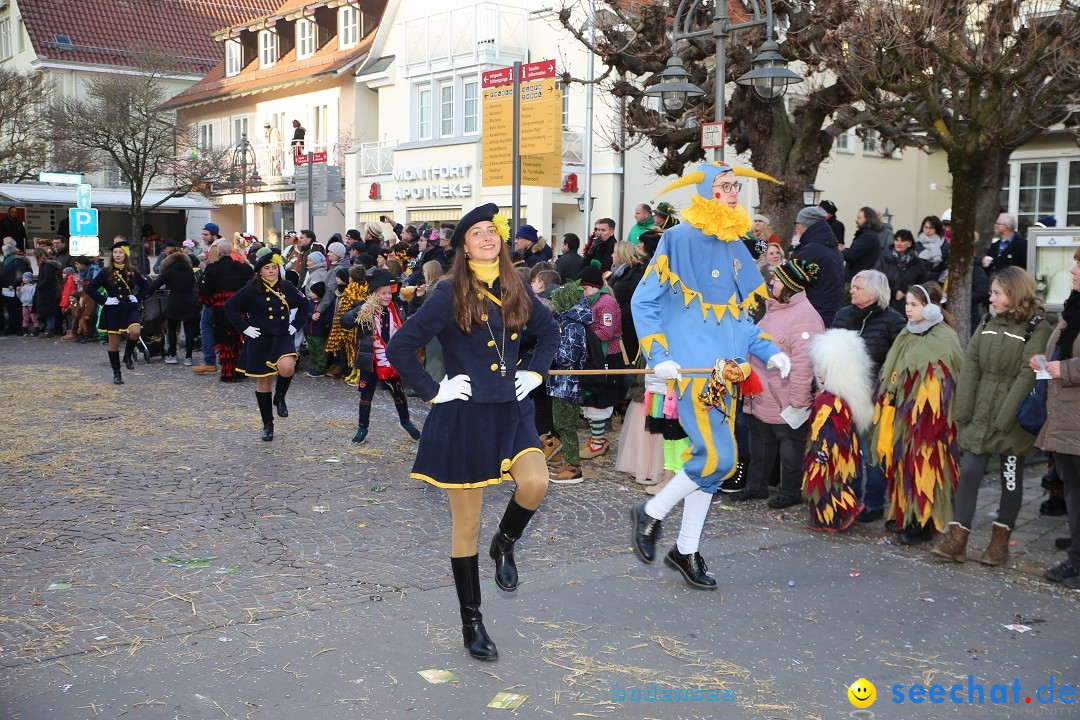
387,322
923,326
342,338
486,273
902,261
1071,316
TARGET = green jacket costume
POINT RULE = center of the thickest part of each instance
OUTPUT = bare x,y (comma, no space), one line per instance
994,380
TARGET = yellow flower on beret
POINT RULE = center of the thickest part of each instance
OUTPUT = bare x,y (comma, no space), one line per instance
502,225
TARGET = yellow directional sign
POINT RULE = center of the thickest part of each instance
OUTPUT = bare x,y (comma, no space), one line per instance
497,146
542,170
541,118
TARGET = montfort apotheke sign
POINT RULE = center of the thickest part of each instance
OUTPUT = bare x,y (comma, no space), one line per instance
433,181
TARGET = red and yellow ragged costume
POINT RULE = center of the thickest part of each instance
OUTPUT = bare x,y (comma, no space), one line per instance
830,464
914,438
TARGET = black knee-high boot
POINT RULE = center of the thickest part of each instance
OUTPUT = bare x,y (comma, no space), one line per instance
467,582
280,388
114,360
266,410
512,525
129,350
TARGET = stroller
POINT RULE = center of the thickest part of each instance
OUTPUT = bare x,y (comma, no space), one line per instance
152,339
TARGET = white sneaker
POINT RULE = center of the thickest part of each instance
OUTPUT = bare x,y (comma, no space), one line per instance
171,360
187,362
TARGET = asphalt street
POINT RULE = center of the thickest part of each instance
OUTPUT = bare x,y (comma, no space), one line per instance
158,561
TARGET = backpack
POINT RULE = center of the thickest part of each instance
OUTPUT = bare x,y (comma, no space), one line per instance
1031,413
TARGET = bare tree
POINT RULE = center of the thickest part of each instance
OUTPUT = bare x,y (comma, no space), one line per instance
123,121
978,77
24,147
789,142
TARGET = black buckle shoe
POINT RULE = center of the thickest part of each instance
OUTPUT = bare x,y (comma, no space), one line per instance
869,516
646,532
117,380
915,534
736,482
692,567
502,552
478,642
268,432
282,408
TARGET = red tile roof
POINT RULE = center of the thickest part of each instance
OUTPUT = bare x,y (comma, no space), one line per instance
107,32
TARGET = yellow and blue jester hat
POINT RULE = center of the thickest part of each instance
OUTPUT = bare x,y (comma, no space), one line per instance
706,212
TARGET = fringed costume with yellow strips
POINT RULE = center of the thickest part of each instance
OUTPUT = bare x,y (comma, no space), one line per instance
694,306
914,437
341,338
829,467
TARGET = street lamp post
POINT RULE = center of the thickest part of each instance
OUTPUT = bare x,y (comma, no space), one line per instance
244,155
769,75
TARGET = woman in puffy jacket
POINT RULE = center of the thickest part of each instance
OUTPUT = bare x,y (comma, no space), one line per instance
903,268
792,322
993,381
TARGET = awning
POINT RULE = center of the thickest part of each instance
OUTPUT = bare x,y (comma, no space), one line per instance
30,194
261,197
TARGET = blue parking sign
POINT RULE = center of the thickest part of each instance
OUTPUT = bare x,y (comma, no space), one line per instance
83,221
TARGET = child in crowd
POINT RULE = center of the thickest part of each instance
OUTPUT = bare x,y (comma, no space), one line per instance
26,298
842,409
316,333
69,298
573,313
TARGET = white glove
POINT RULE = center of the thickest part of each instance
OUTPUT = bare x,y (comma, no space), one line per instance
655,385
252,332
292,329
668,370
458,387
987,261
133,299
525,382
112,301
781,362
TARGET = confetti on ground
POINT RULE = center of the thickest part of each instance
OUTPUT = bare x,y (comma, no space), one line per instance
855,574
378,488
227,570
437,677
191,563
320,508
1017,627
60,585
507,701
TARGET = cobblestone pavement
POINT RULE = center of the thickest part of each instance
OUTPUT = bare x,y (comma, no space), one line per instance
99,482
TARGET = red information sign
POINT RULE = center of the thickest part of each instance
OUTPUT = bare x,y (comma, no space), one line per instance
537,70
319,156
497,78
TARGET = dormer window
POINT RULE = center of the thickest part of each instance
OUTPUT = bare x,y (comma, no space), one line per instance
268,48
305,39
348,27
234,53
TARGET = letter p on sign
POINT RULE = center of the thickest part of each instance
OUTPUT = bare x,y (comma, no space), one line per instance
83,221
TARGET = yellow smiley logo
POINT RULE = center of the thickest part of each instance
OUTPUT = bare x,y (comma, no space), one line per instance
862,693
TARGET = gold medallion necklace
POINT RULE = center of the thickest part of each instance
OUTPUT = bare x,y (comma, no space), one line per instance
499,349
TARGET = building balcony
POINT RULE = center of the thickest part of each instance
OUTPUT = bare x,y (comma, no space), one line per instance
376,158
276,162
486,33
573,146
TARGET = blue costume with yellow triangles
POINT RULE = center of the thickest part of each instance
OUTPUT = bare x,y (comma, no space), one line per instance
693,306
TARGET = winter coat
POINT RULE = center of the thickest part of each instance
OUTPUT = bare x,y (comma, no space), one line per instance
878,328
623,285
1014,254
538,252
792,326
818,245
994,379
901,277
179,278
326,305
603,251
47,295
571,352
864,251
71,287
13,269
364,316
1061,432
607,322
569,265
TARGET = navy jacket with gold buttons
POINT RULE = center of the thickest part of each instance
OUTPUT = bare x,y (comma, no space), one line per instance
268,311
475,354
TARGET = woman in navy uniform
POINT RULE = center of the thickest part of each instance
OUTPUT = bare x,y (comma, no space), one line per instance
117,290
481,430
263,311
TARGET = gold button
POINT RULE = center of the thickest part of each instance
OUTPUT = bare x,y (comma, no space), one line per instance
494,367
491,343
513,336
484,317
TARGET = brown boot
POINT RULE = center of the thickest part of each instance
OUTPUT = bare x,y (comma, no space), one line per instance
997,551
954,546
568,475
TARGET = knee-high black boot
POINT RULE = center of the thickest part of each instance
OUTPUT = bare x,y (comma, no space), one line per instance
512,525
467,582
114,360
266,410
280,388
129,350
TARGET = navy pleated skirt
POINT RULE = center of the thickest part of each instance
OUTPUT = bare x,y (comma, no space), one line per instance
259,356
467,444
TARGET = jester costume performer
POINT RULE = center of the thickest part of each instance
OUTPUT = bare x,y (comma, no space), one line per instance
842,409
914,437
691,310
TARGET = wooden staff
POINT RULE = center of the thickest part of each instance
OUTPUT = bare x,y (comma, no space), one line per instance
629,371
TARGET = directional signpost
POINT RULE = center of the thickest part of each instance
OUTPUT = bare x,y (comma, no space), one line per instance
83,224
522,141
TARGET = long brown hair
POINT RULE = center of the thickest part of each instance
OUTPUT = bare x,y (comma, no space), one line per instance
1019,287
934,293
468,312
